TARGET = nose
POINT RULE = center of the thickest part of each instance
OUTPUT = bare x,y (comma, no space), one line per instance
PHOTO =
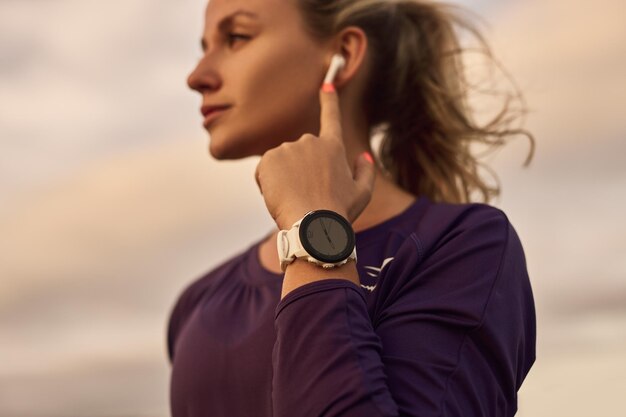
202,77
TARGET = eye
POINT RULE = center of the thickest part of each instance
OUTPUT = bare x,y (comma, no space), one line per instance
232,36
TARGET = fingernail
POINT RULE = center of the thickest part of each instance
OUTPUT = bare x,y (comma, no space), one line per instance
328,88
368,156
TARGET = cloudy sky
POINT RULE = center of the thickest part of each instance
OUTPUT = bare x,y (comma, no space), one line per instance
109,199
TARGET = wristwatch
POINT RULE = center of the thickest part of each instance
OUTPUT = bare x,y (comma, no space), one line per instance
323,237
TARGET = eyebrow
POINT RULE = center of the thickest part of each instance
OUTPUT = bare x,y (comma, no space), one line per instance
228,19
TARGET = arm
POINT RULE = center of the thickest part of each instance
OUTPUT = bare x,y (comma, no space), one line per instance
301,272
452,334
326,357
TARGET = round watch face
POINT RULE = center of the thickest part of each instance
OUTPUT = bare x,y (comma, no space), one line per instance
327,236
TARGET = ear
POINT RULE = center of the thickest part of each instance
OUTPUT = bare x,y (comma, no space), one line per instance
352,44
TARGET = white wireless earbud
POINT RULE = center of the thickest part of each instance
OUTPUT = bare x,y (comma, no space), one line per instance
336,64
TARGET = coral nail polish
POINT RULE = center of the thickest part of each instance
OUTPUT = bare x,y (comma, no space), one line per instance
328,88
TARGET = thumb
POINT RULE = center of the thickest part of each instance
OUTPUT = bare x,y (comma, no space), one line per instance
365,173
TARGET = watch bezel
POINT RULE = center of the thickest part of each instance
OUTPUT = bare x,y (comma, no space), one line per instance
311,216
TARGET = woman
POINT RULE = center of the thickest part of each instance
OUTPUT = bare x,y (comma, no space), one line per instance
437,315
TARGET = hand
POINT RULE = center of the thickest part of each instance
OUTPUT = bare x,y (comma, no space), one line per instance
312,173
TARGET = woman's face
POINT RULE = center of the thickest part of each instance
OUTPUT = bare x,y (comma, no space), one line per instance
270,80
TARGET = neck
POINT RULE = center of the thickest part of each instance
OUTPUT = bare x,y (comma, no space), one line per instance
388,199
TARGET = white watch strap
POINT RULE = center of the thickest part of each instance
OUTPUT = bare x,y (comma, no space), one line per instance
289,246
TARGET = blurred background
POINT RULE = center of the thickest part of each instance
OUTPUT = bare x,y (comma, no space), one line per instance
110,203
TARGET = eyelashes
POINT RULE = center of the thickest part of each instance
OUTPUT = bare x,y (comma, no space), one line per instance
231,36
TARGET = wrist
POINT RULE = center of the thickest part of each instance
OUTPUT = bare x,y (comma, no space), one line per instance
287,221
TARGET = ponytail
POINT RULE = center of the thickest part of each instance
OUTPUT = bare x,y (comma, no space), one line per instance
417,100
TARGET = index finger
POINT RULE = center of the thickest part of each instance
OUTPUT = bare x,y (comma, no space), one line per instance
330,118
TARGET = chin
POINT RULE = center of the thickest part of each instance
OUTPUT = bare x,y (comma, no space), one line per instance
229,141
221,151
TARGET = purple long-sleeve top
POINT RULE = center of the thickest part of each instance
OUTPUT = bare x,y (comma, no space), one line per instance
442,324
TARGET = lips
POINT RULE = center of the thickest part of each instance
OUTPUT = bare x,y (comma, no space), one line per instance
211,113
207,109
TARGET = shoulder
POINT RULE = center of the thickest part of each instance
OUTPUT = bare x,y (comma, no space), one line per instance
192,294
445,219
476,242
446,227
437,227
454,254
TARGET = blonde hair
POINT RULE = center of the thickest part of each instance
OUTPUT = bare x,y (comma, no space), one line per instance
417,94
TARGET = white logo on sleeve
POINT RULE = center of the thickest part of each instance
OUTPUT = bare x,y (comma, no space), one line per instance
375,273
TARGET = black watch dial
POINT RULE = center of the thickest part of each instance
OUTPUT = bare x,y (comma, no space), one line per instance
327,236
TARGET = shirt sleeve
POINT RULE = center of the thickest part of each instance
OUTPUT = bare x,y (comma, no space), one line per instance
184,304
176,319
452,334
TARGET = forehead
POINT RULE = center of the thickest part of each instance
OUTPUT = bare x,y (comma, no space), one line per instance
266,10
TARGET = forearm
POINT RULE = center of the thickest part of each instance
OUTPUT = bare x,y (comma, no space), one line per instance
301,272
327,358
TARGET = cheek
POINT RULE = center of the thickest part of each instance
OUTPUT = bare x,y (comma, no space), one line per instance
280,95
